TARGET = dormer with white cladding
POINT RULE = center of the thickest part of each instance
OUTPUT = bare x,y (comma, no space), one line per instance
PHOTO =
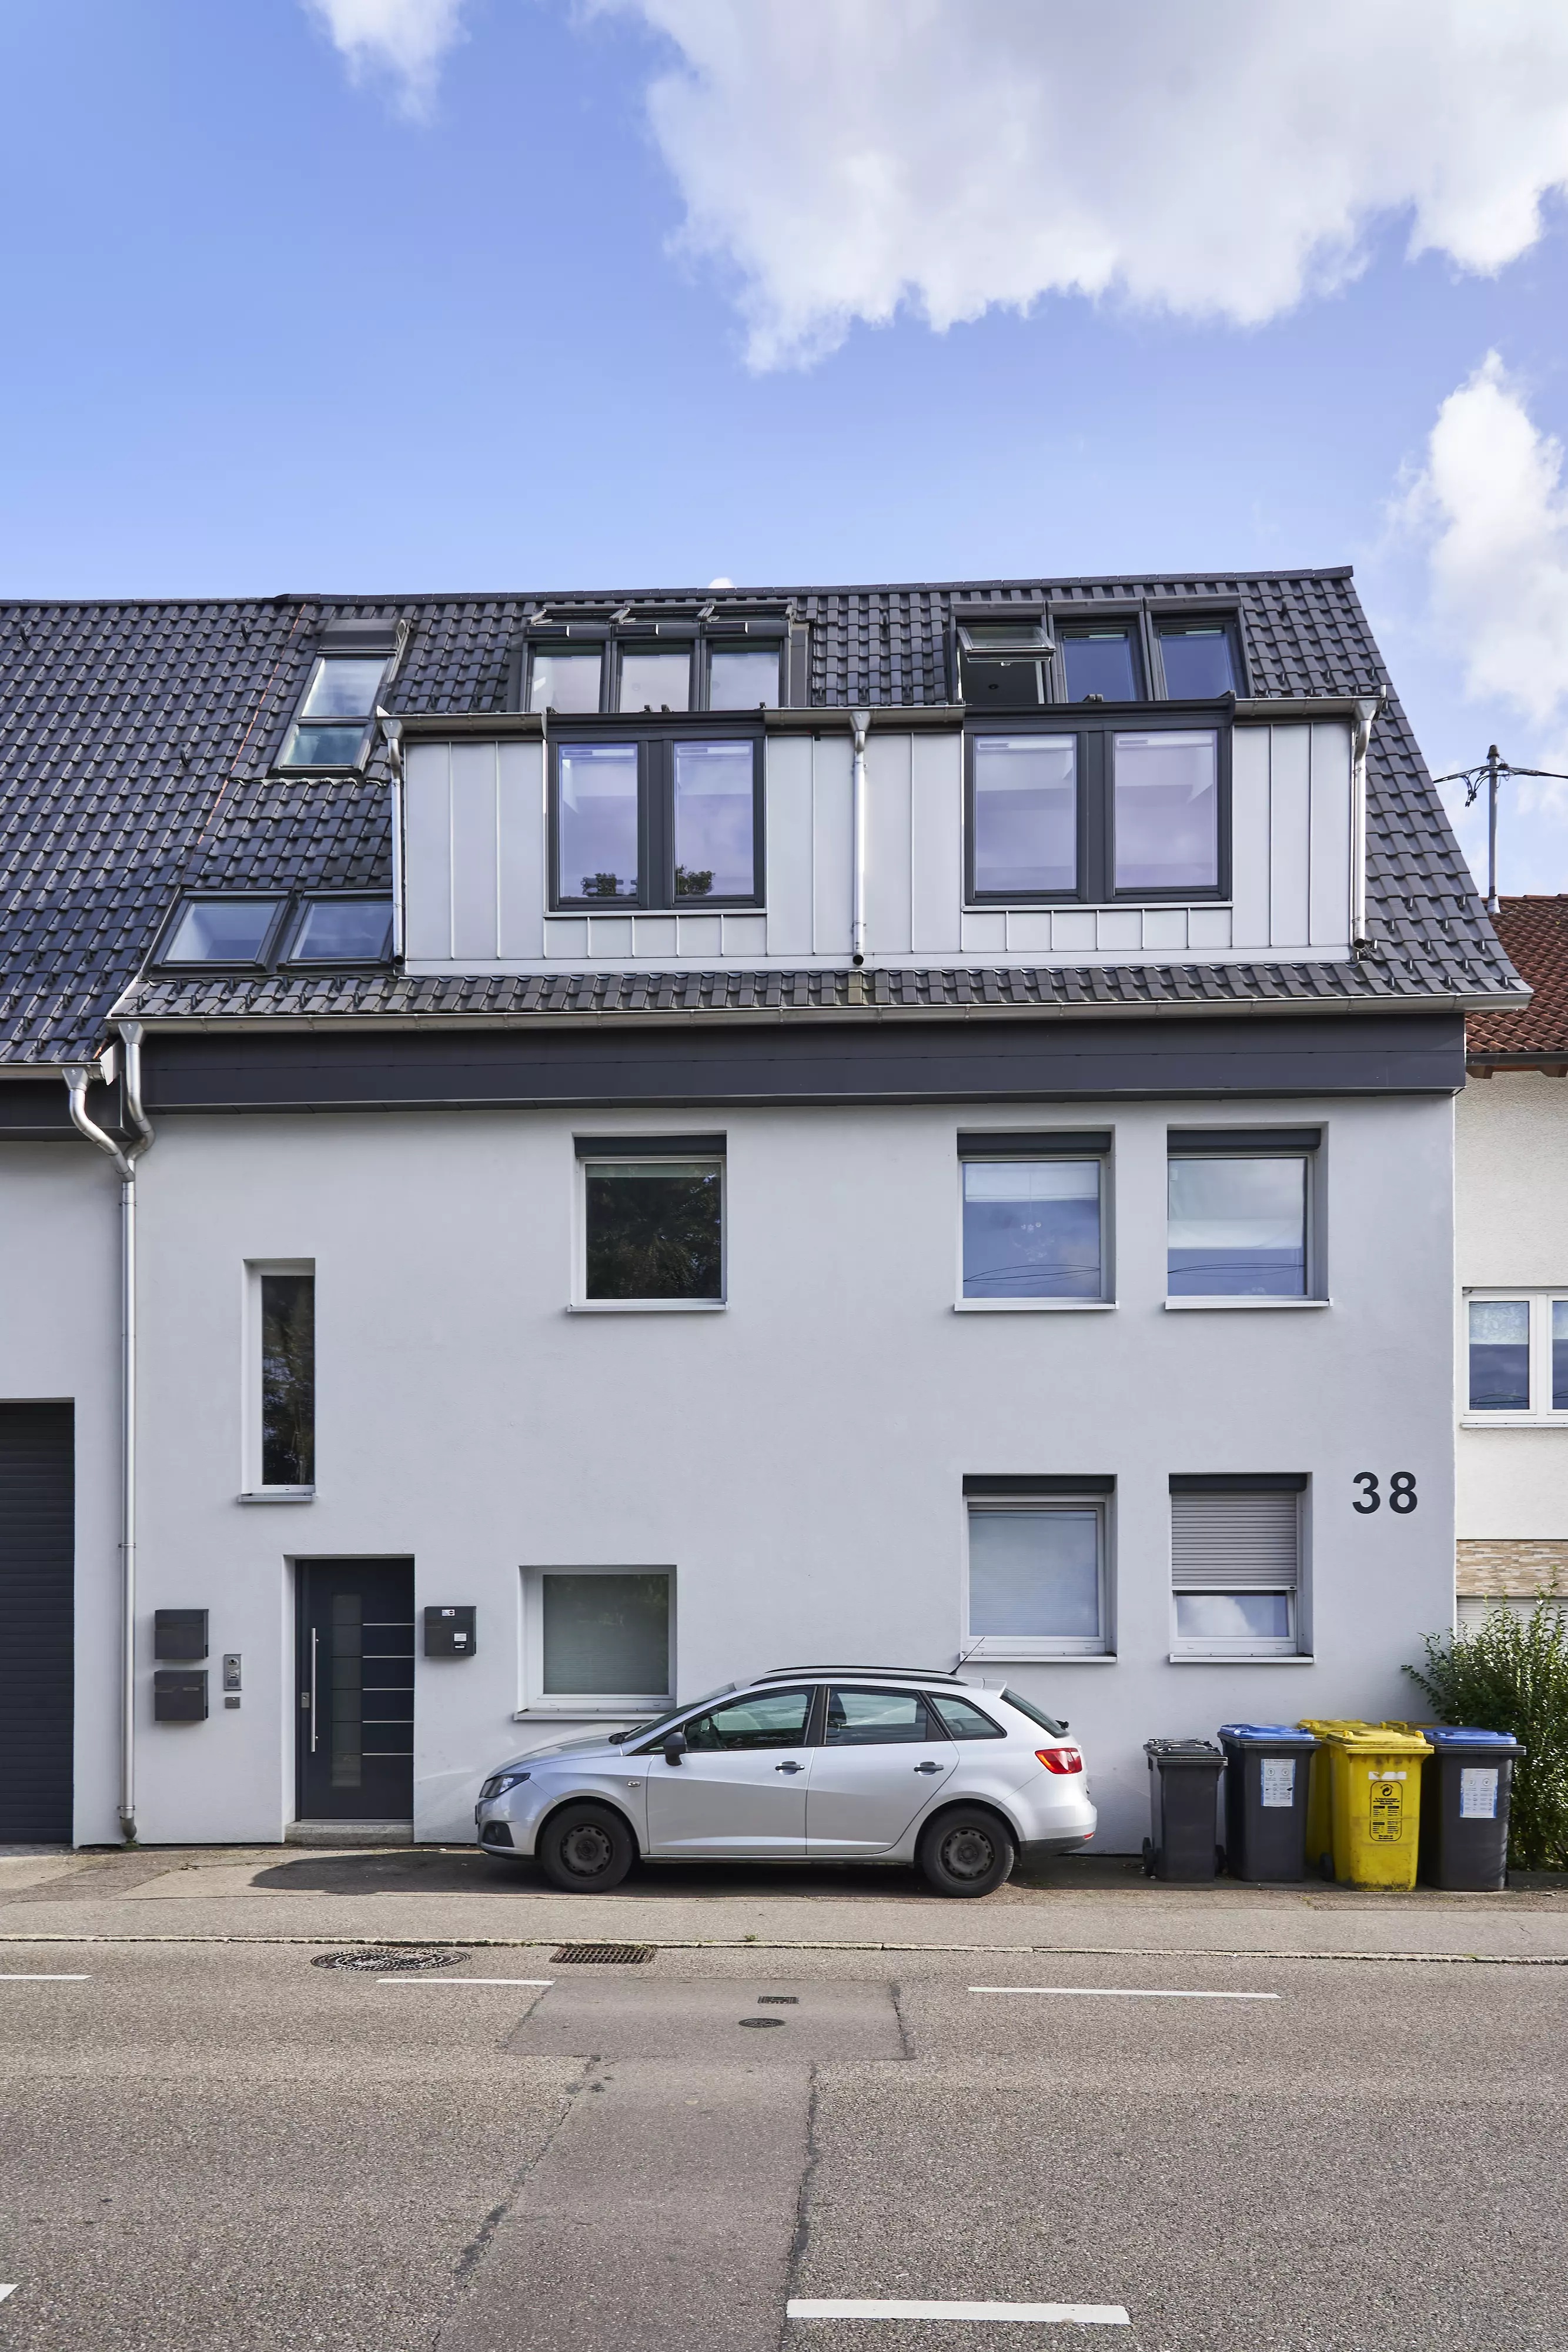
1104,791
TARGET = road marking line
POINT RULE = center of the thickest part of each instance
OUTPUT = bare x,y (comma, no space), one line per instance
1126,1992
542,1984
1048,2314
15,1975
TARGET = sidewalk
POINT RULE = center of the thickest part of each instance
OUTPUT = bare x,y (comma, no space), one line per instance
454,1895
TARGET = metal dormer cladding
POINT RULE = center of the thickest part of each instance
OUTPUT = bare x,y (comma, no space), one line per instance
139,761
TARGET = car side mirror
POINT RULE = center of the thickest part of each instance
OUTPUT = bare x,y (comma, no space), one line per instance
675,1746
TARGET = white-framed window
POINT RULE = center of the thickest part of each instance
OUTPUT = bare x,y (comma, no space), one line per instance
597,1641
650,1222
1034,1213
1037,1575
1236,1551
1244,1215
278,1384
1515,1356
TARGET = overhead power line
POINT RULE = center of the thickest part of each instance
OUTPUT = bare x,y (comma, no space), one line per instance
1493,769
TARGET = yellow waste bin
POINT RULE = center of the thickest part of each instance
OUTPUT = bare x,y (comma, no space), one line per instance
1320,1813
1375,1780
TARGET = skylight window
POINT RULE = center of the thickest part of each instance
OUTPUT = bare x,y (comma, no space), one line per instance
1002,664
334,718
655,681
223,930
1102,664
564,678
343,930
1199,661
743,681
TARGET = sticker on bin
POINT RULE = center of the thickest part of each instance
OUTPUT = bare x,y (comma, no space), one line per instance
1478,1792
1278,1780
1387,1807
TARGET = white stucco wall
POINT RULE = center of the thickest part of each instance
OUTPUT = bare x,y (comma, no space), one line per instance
59,1338
1510,1156
798,1459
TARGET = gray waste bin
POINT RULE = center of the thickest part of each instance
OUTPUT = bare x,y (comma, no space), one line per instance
1184,1779
1266,1775
1466,1784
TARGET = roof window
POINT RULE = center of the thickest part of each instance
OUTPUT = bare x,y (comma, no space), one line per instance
638,663
333,721
1101,664
1198,659
224,930
342,930
1003,663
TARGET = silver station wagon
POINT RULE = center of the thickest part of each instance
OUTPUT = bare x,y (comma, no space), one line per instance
808,1763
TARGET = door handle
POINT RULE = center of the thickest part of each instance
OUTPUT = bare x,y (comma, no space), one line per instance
312,1690
928,1766
791,1767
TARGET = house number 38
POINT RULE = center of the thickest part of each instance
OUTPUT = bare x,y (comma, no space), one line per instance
1401,1492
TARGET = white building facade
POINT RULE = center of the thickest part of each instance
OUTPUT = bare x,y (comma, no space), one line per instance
953,1162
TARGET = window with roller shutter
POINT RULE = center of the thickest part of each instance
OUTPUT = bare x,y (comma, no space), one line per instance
1235,1566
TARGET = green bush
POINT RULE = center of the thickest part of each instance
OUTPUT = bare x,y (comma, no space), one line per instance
1512,1675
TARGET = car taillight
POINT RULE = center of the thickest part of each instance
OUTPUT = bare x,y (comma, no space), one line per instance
1060,1759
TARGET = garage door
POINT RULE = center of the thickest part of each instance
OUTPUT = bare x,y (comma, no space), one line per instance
37,1622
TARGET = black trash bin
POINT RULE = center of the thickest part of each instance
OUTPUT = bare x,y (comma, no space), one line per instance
1266,1776
1466,1784
1183,1776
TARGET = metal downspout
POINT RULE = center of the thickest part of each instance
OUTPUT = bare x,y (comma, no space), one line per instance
78,1076
860,720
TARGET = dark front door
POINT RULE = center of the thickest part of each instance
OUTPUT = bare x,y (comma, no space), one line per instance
38,1614
356,1690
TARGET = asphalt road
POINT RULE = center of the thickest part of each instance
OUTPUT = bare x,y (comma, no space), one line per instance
224,2145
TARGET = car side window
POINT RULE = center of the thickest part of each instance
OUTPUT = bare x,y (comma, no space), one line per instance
964,1721
878,1718
763,1719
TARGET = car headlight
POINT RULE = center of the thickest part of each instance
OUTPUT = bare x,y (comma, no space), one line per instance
499,1783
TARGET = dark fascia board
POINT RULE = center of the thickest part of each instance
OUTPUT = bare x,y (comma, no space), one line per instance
1252,708
614,1068
35,1108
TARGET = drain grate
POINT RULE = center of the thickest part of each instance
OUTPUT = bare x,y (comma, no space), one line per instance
600,1955
388,1964
779,1999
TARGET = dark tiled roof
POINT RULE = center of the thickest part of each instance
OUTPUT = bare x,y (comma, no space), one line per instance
1534,932
135,742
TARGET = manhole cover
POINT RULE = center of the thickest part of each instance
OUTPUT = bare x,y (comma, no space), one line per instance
587,1955
761,2021
388,1964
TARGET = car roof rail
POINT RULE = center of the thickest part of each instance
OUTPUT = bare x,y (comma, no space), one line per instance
897,1674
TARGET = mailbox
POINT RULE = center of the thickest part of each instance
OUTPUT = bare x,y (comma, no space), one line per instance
179,1632
180,1696
449,1633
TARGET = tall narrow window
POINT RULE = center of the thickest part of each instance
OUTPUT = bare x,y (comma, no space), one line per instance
1033,1217
598,821
287,1380
1239,1218
1499,1355
1165,812
1025,815
1236,1565
716,853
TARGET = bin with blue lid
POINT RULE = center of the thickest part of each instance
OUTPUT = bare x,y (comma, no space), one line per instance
1466,1784
1266,1783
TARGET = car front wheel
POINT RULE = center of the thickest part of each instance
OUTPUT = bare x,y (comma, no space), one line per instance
586,1849
968,1851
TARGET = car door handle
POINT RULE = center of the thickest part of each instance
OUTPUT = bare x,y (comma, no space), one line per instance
928,1766
791,1767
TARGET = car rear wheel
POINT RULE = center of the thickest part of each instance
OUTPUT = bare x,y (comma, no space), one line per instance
968,1851
587,1849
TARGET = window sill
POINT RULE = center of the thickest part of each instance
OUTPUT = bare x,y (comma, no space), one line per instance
1009,1654
648,1307
1241,1658
278,1495
1247,1305
1514,1420
1133,904
593,1711
1034,1306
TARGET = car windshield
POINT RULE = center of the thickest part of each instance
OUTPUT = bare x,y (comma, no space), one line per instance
1035,1714
657,1723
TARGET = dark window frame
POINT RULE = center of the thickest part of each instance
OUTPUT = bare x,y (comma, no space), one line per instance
1094,760
612,642
291,907
654,1151
1163,622
1306,1144
655,745
343,641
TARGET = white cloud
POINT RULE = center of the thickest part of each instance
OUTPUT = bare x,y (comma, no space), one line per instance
848,158
403,39
1491,505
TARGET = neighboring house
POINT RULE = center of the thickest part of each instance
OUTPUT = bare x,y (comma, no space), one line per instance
696,1132
1512,1202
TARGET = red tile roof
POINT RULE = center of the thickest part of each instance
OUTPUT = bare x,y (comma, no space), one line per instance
1534,932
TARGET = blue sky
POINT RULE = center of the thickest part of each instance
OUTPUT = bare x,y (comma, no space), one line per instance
285,314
